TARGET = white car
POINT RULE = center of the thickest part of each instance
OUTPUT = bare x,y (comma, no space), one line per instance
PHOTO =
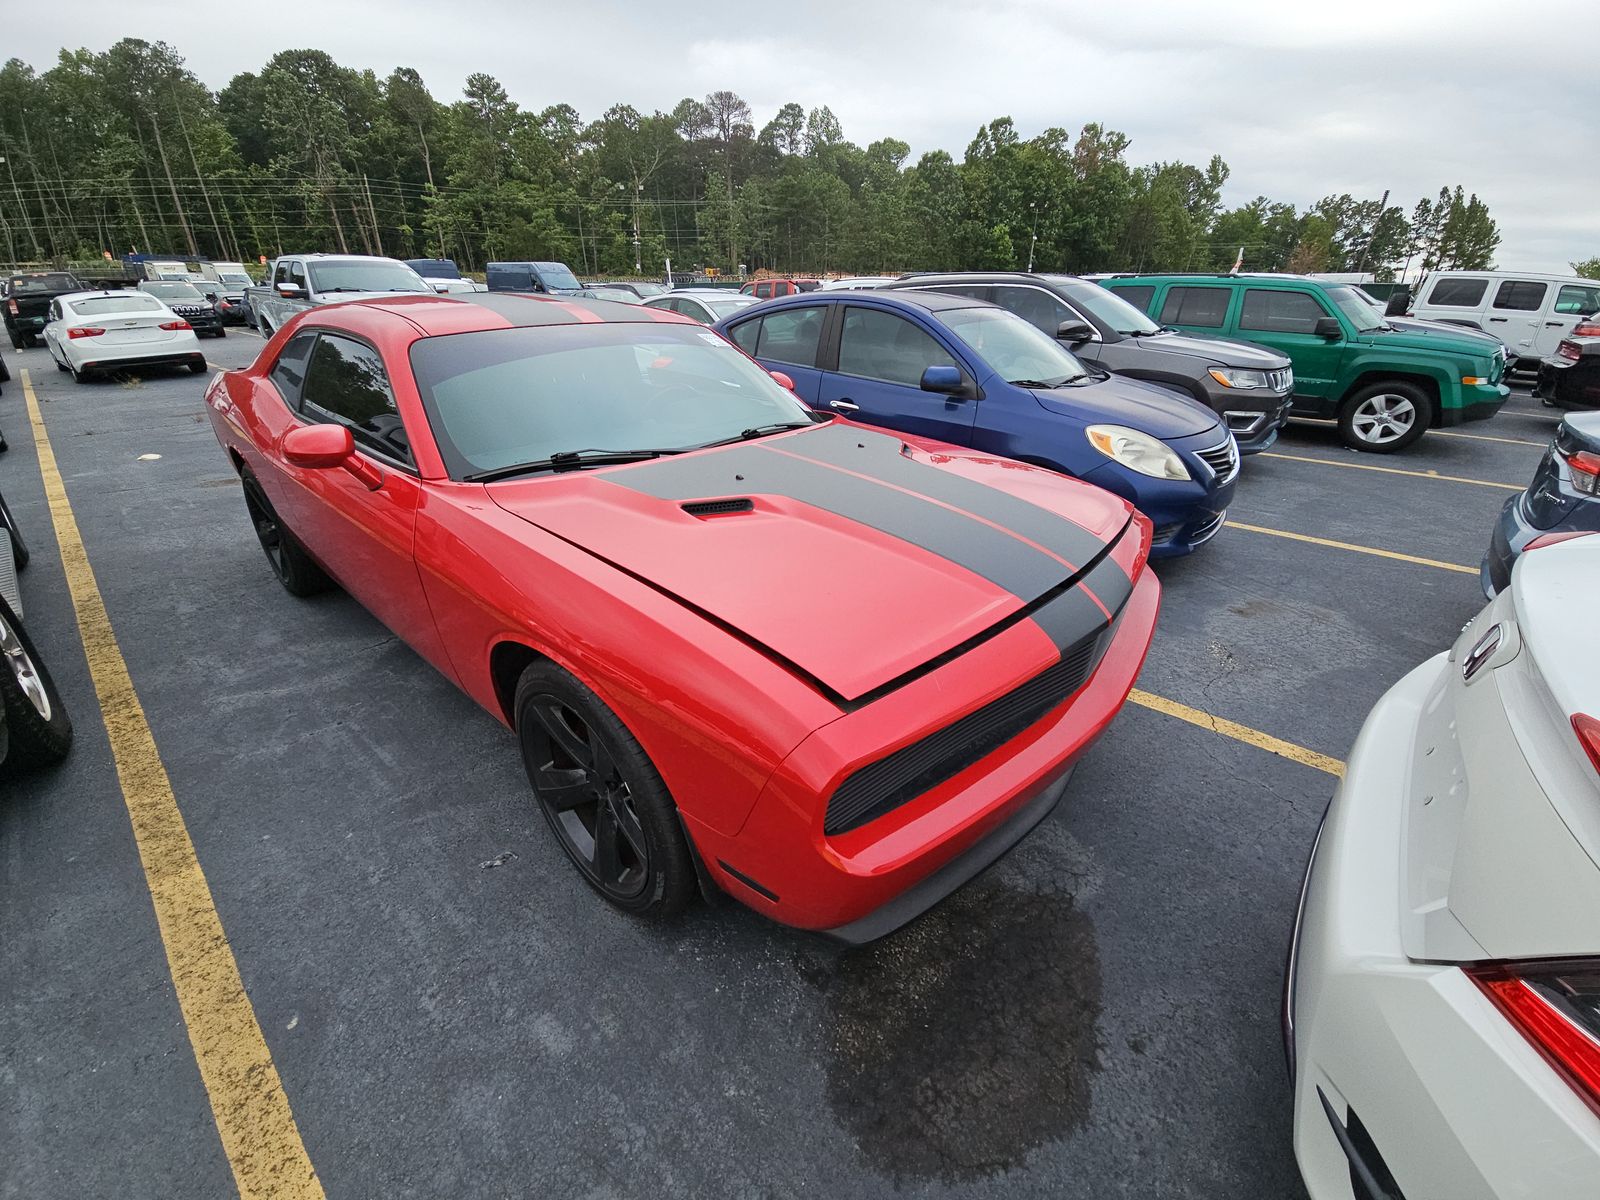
102,331
1529,312
706,305
1442,1005
851,283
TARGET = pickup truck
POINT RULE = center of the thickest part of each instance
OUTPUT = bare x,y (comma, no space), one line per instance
25,300
301,281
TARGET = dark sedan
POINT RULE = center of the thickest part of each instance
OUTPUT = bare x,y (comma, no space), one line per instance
1570,378
1564,498
190,303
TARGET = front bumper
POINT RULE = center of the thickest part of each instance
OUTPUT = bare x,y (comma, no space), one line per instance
1427,1082
1479,402
1255,426
867,881
1186,515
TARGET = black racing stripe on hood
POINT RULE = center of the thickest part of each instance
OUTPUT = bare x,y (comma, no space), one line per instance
880,456
954,536
1072,615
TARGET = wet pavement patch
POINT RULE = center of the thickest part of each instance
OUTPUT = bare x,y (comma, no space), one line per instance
967,1039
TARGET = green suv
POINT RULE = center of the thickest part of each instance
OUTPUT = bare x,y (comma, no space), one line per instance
1385,386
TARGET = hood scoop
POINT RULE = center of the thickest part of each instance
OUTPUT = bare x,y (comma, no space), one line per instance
719,508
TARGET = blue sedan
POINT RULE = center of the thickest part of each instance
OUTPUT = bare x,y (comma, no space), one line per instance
1562,501
974,374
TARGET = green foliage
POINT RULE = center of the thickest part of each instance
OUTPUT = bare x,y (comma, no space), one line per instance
127,150
1589,268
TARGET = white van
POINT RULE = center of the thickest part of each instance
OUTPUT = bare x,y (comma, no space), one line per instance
1527,311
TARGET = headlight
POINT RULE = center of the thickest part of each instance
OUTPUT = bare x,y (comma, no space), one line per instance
1235,377
1137,451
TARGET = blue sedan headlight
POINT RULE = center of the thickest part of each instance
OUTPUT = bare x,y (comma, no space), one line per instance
1137,451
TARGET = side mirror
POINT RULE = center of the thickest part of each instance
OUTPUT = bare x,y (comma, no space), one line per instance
1074,331
1397,304
291,291
783,380
946,381
442,289
319,447
1328,327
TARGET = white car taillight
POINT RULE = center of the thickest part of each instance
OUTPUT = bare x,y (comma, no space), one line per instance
1556,1006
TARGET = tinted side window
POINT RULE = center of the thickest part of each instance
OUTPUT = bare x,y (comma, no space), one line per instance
1577,299
791,336
744,335
289,372
1519,295
1458,293
1272,311
1035,306
1139,295
1207,306
346,384
509,279
880,345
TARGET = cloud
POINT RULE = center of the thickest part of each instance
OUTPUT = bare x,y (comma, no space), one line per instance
1300,100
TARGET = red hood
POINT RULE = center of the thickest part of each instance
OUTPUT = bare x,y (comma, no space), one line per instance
856,558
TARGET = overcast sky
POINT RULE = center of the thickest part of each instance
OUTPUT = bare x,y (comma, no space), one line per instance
1302,101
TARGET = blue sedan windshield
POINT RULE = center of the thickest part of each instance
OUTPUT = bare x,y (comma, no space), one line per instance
1017,350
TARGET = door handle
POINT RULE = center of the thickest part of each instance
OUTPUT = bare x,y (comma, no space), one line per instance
844,406
1498,320
1555,324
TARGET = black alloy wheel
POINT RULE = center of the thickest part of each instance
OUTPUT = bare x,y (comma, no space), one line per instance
585,798
295,569
601,795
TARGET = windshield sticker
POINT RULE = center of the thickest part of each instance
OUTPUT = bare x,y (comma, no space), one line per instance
715,340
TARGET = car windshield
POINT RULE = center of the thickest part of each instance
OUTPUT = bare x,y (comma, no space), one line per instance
648,289
556,275
1361,313
366,277
502,397
99,306
723,307
1018,350
33,285
235,280
1109,307
173,291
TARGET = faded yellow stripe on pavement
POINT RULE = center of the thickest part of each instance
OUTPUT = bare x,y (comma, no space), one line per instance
257,1128
1485,437
1354,548
1350,466
1238,732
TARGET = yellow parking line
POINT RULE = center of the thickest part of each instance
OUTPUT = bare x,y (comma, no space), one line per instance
1354,548
253,1117
1328,462
1484,437
1238,732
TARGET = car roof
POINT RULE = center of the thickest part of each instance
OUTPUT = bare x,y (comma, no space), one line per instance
469,312
1222,278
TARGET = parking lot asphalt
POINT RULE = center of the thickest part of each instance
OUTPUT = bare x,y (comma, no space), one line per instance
453,1013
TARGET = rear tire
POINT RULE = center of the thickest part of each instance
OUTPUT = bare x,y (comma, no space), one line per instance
196,368
295,568
28,342
79,376
37,727
1384,417
221,332
19,548
601,796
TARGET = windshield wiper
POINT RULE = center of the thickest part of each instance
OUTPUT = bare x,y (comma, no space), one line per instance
756,431
1040,383
568,460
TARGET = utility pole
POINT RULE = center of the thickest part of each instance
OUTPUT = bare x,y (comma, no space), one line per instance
1034,239
1383,207
638,194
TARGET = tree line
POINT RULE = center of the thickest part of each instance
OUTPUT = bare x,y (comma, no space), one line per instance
127,150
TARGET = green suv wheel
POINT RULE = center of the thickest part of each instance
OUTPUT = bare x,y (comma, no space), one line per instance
1385,417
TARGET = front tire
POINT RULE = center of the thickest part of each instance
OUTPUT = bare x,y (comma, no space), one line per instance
1385,417
294,568
601,795
19,548
37,727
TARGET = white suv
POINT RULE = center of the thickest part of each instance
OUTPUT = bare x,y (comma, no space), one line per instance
1529,312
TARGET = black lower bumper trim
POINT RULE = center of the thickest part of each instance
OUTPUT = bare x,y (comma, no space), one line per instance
1369,1174
960,870
1481,411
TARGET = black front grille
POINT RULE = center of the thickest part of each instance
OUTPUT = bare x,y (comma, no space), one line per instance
712,508
1223,459
882,786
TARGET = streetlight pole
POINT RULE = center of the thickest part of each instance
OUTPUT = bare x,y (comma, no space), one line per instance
1034,239
638,196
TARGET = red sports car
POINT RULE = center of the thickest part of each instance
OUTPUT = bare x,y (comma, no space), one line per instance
746,647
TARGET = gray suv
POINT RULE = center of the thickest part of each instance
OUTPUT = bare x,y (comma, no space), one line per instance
1248,386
